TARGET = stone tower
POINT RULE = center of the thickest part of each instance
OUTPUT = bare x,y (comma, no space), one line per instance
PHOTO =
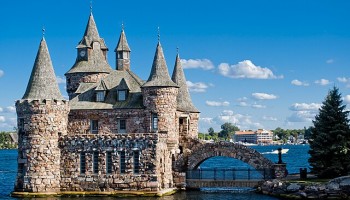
159,98
91,63
42,117
122,53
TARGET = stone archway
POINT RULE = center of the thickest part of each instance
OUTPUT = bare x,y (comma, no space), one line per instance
228,149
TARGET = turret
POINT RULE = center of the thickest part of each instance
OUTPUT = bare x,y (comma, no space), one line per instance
42,116
122,53
91,63
159,98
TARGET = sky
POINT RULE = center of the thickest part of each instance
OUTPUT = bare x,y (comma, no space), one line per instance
255,64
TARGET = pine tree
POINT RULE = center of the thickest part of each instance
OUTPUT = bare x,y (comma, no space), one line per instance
330,138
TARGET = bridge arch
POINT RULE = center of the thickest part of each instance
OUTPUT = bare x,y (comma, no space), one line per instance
202,151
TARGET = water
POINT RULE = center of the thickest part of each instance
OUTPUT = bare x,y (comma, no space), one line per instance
296,158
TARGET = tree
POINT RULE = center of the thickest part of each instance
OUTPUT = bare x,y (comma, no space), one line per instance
211,131
330,138
228,130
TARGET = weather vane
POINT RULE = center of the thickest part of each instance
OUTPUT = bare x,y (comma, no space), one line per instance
158,34
90,6
43,31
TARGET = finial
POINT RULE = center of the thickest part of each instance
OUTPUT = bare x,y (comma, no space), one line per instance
122,26
158,34
90,6
43,31
177,50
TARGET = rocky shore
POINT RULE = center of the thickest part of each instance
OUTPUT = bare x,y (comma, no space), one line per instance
338,188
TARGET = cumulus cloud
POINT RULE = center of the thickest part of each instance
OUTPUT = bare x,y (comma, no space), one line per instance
263,96
343,79
258,106
242,121
269,118
299,83
1,109
2,118
204,64
1,73
217,103
305,106
347,99
246,69
322,82
60,80
303,112
11,109
197,87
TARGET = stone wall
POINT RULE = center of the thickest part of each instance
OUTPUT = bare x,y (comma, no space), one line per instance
145,180
40,123
79,121
73,80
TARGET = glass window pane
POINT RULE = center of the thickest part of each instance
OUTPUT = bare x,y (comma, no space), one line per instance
121,95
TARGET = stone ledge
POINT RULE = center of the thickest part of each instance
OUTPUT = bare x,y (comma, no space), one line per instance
160,193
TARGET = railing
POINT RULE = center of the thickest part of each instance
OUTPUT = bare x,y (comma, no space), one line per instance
229,174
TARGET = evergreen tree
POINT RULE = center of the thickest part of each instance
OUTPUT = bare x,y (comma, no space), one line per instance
330,138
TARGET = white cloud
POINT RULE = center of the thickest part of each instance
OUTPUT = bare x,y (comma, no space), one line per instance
269,118
60,80
1,73
343,79
347,99
258,106
305,106
299,83
11,109
217,103
2,118
322,82
246,69
1,109
197,87
242,121
329,61
205,64
264,96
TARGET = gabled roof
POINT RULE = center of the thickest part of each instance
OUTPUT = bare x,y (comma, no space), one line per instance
159,76
114,81
42,83
122,43
184,102
102,86
91,35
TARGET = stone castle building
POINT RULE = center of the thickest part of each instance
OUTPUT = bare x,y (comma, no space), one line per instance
117,132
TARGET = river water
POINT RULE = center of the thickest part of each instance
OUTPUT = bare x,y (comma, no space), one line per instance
296,158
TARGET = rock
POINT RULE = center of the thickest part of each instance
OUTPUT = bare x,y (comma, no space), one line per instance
294,187
333,186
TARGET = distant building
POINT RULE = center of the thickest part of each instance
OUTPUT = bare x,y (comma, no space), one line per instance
261,136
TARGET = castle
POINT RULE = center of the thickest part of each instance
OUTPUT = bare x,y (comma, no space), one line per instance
116,132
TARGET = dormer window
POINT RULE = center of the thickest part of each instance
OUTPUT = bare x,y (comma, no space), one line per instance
100,96
122,95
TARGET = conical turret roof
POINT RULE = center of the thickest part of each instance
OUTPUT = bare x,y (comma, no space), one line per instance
184,102
91,35
122,43
42,83
159,75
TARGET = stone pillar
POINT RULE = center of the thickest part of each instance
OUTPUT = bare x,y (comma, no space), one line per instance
40,123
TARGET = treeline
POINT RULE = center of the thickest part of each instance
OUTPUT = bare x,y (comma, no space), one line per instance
6,141
228,130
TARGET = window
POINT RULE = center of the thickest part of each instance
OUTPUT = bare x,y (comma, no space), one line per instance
122,162
154,121
94,126
95,162
82,163
109,162
21,124
136,162
122,126
121,95
100,96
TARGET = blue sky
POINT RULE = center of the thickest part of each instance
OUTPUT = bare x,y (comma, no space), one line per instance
256,64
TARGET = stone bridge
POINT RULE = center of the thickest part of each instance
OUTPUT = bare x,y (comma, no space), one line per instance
198,151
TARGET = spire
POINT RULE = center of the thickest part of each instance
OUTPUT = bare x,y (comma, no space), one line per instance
42,83
91,34
184,102
159,75
122,43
